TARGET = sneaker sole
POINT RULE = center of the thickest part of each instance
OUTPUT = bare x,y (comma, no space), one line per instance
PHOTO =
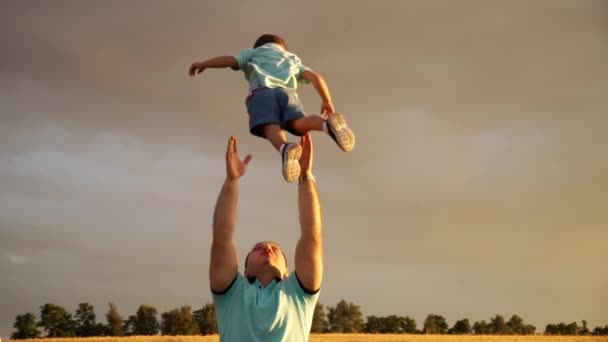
345,137
291,164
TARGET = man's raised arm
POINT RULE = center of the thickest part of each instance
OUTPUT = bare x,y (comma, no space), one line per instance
224,259
309,250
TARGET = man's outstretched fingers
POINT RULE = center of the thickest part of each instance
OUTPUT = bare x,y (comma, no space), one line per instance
228,147
247,160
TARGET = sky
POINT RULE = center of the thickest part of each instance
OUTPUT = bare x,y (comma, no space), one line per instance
478,185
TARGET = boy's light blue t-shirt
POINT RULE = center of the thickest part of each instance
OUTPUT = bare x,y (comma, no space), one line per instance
270,66
281,311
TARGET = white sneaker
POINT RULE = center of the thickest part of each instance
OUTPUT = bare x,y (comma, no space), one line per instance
291,162
339,131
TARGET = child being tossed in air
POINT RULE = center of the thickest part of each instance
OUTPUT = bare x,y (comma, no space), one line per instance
273,104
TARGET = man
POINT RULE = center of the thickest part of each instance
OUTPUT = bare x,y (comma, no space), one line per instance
266,303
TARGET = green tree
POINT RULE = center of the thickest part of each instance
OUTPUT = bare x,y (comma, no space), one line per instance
461,327
56,321
408,325
435,324
516,324
128,326
392,324
551,329
571,329
529,329
85,325
319,320
169,322
114,321
26,327
206,319
146,321
373,325
583,330
481,328
498,326
179,321
600,330
562,329
345,318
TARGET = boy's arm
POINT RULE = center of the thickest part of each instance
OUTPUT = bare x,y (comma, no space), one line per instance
217,62
319,83
309,250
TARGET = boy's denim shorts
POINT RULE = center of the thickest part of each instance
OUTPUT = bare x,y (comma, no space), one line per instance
273,105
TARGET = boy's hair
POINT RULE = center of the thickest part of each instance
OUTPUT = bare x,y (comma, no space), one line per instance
269,38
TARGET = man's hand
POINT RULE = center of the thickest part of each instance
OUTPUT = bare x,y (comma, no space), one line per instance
196,68
327,109
306,157
235,168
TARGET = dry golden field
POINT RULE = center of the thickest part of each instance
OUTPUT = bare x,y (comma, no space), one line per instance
347,338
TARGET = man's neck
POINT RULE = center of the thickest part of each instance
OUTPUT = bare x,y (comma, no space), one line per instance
266,278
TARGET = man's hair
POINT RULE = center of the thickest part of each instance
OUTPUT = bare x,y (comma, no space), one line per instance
269,38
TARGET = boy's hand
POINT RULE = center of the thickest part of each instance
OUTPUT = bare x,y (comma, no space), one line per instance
327,109
196,68
306,157
235,167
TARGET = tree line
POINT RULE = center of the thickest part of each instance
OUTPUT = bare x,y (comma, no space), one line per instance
344,317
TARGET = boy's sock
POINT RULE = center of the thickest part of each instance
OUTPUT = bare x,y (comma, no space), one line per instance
282,148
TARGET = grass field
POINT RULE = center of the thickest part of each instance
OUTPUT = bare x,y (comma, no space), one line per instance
347,338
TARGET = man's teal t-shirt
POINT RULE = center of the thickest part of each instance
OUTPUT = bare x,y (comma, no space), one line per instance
281,311
270,66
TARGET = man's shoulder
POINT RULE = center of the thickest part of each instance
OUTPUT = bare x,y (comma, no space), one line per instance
236,282
294,284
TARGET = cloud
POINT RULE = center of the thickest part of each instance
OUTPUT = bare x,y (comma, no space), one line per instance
16,259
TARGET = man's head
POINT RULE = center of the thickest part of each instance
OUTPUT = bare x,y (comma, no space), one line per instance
270,38
266,256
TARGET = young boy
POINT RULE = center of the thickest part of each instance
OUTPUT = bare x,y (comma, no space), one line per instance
273,105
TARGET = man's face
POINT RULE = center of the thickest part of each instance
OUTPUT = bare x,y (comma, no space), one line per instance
263,255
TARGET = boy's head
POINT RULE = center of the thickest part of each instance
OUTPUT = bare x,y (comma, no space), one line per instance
270,38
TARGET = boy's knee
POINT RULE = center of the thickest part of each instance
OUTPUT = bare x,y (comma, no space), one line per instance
294,127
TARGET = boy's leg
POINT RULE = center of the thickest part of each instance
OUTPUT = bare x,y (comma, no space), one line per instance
264,122
290,152
306,124
335,126
296,122
275,135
